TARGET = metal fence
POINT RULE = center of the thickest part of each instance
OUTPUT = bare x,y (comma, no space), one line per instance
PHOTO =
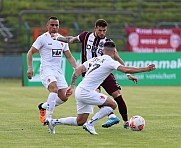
18,40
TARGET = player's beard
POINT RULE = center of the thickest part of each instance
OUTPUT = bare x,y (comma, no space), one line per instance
101,36
54,31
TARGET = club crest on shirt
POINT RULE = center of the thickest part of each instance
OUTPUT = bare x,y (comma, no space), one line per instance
102,97
56,52
61,44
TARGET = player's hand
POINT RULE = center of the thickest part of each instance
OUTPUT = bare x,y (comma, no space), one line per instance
69,91
134,79
30,73
151,67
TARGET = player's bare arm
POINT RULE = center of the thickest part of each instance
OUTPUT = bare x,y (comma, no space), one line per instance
77,72
129,69
118,58
133,78
29,61
67,39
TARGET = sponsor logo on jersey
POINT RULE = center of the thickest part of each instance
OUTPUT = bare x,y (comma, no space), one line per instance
90,41
56,52
94,48
61,44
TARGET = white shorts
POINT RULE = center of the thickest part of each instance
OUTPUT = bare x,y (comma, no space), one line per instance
87,99
48,75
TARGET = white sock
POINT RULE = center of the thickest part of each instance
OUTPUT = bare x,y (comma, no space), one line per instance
66,121
50,104
44,105
104,111
57,103
112,116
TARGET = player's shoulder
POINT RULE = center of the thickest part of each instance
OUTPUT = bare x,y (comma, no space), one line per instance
84,33
44,35
60,35
108,59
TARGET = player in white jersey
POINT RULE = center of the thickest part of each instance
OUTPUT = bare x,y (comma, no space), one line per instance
87,96
52,77
92,45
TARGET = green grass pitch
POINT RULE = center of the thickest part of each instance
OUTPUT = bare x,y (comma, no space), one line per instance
20,126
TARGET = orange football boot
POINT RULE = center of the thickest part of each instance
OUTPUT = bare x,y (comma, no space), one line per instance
42,115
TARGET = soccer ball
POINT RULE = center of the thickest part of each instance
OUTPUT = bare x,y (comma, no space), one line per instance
137,123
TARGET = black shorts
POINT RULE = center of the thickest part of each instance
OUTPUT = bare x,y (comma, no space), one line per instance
110,85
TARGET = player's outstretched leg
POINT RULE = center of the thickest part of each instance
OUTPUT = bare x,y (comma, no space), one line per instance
123,110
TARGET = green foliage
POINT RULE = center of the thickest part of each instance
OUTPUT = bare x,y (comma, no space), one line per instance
20,126
146,14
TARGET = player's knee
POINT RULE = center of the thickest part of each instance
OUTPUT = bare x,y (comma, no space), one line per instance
116,94
53,88
62,97
111,103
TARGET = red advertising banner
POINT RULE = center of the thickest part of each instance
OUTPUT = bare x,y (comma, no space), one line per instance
39,31
153,40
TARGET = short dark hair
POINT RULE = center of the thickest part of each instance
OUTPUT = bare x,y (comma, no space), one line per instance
110,44
53,18
101,23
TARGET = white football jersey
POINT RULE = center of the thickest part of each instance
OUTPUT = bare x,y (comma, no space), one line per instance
98,69
51,51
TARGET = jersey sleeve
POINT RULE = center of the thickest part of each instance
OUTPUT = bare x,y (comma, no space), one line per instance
38,43
82,35
114,64
86,64
66,46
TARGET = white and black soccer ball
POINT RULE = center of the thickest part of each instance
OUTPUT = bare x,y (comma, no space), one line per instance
137,123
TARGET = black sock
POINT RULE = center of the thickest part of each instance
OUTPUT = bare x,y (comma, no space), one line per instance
122,107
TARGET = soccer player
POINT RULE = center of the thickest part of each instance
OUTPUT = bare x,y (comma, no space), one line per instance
92,44
87,96
52,77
